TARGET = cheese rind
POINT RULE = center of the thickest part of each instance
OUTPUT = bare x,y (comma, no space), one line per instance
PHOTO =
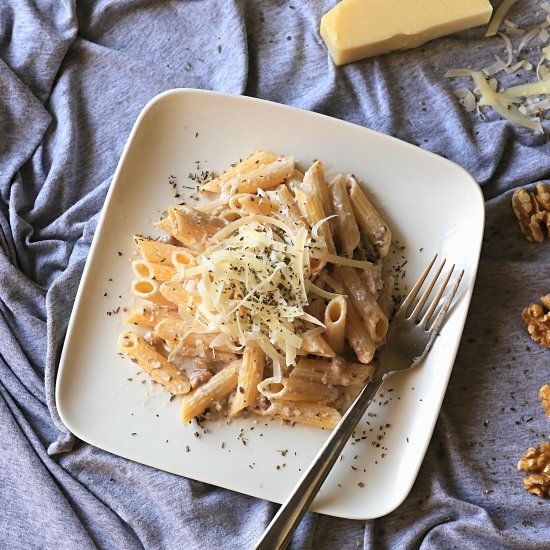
355,29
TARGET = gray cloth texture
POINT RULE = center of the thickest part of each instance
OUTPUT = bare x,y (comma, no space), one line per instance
73,78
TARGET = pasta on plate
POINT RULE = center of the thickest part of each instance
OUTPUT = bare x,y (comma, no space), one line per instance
270,299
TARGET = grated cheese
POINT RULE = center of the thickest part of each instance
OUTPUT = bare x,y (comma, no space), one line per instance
526,90
498,16
466,99
253,285
512,29
509,49
535,31
525,104
502,104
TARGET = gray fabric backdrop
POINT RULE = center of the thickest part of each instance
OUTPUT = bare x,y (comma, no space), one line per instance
73,78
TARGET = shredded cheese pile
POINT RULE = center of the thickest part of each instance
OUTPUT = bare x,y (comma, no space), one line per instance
526,104
253,283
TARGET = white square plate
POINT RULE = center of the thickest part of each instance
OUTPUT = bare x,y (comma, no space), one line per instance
431,204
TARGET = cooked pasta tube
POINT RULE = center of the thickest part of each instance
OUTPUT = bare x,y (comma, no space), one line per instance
211,208
165,225
148,289
250,375
149,316
284,204
368,219
264,177
230,214
312,414
235,201
312,210
371,279
316,345
153,270
298,389
175,293
177,336
182,259
337,372
314,184
335,321
316,265
192,227
251,204
240,169
375,320
219,386
358,337
385,298
155,251
347,231
295,180
153,363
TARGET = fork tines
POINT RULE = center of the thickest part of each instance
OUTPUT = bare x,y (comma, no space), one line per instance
416,314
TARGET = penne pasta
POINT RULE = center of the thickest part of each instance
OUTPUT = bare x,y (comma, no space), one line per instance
266,176
250,375
298,389
251,204
153,363
284,204
212,208
189,226
358,337
313,212
374,319
219,386
335,321
240,169
347,232
385,298
149,316
315,185
368,219
311,414
177,336
174,293
155,251
182,259
317,345
295,180
371,279
165,225
336,372
153,270
230,215
273,291
148,289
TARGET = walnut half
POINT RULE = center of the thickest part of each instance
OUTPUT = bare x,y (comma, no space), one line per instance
533,212
537,319
537,461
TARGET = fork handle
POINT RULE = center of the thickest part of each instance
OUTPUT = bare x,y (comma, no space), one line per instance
280,530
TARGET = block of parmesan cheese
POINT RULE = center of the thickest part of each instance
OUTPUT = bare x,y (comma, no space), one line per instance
355,29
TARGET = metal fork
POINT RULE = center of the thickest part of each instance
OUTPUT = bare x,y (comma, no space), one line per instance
410,337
